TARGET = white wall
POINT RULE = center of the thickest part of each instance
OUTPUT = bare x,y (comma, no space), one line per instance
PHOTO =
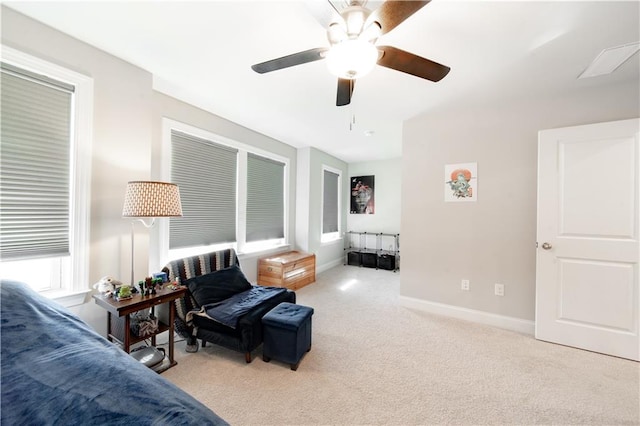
492,240
388,181
303,197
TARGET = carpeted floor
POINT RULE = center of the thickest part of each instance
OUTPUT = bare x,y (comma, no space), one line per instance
374,362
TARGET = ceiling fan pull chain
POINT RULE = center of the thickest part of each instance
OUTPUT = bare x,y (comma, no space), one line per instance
352,123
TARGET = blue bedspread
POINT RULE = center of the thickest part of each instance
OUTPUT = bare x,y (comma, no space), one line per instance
57,371
230,310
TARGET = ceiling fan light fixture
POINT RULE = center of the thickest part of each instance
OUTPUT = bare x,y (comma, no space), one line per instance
336,33
371,32
355,18
352,58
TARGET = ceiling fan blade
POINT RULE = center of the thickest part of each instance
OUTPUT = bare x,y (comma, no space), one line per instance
394,12
290,60
345,90
323,11
400,60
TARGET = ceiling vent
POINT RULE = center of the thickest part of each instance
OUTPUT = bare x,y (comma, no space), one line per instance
610,59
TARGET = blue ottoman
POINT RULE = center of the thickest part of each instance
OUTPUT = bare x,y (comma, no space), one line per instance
287,333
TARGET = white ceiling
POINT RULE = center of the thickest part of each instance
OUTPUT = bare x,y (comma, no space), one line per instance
201,52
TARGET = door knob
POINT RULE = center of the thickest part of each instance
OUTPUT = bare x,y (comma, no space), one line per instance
546,246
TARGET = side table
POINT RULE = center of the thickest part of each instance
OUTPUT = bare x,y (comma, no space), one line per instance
119,323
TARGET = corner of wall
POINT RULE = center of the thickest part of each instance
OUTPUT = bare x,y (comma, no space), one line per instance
303,190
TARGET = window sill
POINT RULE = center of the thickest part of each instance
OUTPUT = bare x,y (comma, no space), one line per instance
263,252
67,298
331,241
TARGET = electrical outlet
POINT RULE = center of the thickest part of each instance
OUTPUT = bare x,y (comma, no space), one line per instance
464,285
499,289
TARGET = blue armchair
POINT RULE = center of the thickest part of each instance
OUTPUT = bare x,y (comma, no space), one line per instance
247,336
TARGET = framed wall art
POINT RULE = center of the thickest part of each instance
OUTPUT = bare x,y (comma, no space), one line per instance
461,182
362,195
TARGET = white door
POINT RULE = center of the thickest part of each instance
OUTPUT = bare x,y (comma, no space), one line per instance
587,292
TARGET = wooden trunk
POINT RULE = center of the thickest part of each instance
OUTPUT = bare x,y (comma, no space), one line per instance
292,270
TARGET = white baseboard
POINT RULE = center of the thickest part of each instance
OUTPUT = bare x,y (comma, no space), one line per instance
509,323
327,266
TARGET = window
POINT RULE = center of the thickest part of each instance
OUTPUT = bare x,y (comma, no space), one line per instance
233,195
44,177
265,196
205,172
331,183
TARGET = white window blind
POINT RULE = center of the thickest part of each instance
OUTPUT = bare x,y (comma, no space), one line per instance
206,174
35,163
330,203
265,199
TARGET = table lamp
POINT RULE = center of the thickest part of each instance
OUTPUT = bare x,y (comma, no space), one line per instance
149,200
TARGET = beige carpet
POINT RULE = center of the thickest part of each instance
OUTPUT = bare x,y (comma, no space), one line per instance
375,362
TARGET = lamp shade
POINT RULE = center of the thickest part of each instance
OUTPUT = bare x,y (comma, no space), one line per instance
152,199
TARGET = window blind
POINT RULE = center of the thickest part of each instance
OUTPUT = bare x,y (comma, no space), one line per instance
330,203
265,199
35,161
206,174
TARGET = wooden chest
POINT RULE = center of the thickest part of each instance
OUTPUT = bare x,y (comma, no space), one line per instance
292,270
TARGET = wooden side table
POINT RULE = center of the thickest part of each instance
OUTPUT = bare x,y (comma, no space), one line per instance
119,323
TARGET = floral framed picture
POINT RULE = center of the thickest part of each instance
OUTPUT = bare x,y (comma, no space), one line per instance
461,182
362,195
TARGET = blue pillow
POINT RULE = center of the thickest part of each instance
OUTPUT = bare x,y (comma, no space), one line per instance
218,285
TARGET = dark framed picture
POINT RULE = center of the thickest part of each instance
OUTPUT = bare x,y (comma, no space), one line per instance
363,195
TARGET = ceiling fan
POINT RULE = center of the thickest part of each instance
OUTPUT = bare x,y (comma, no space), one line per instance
352,34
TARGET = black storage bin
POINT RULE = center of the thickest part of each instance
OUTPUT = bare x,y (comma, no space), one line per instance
387,261
369,260
354,258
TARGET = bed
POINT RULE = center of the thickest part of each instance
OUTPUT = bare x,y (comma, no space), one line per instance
56,370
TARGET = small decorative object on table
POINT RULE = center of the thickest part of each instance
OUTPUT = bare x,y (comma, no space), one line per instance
107,285
157,283
173,286
123,293
162,276
148,285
